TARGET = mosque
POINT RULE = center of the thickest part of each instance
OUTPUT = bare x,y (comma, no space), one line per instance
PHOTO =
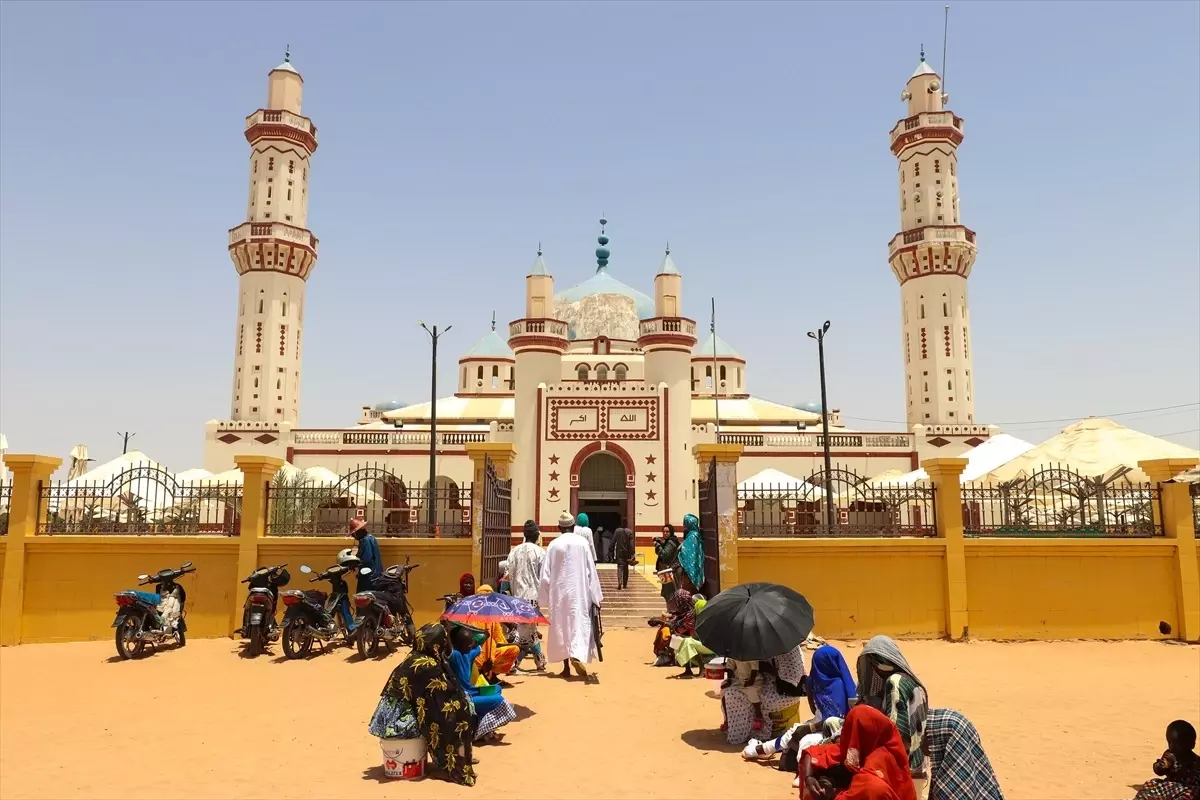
601,388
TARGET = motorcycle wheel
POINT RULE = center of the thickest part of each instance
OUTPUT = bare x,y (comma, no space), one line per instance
257,642
128,646
367,639
297,641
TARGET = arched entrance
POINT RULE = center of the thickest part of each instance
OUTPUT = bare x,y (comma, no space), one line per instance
602,488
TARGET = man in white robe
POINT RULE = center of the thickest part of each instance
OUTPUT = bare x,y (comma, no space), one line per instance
568,589
581,527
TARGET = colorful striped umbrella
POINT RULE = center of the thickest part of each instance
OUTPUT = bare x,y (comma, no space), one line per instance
484,609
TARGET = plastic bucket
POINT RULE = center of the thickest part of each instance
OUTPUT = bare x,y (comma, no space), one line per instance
714,670
403,758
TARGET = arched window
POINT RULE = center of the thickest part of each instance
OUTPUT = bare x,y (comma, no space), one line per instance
479,373
495,377
619,372
922,311
601,372
708,378
464,380
581,372
738,372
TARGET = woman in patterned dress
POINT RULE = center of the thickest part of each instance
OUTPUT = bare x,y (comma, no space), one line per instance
424,698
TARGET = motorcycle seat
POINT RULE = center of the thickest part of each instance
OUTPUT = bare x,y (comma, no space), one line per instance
316,597
260,591
150,598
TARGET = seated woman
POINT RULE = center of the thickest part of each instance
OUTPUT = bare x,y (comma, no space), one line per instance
680,620
690,651
958,767
780,692
496,657
1179,767
831,691
868,762
492,711
444,719
888,683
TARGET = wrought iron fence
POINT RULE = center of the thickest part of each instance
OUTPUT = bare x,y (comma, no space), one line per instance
5,503
299,505
860,508
1194,491
1058,502
142,500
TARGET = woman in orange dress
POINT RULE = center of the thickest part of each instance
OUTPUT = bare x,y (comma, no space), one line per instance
869,762
497,657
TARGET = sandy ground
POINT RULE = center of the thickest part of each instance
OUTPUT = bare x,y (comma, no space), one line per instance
1059,720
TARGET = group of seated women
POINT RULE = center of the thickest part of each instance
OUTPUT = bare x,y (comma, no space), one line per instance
448,692
870,739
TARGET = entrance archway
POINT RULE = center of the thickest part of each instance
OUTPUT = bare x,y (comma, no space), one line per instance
602,485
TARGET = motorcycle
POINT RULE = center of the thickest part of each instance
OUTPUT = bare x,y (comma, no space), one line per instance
314,616
258,614
384,615
151,618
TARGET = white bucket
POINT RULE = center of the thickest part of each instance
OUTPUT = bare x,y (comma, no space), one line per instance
714,670
403,758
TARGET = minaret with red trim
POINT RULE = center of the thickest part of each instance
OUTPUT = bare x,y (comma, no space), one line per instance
274,252
932,256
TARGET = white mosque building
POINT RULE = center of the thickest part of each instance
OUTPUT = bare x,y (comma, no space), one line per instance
602,388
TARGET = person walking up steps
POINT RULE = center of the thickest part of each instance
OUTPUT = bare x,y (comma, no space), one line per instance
568,589
623,553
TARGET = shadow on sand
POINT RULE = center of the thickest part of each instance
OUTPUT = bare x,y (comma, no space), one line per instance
709,740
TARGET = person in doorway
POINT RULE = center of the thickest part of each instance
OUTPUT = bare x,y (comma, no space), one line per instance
606,541
525,571
568,589
1178,767
691,552
624,553
368,554
598,542
581,527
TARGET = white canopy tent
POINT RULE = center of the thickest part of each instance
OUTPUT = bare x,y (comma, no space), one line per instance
780,484
981,459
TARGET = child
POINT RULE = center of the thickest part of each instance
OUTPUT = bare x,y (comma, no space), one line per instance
1179,767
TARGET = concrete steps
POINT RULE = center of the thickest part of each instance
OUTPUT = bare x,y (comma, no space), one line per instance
631,607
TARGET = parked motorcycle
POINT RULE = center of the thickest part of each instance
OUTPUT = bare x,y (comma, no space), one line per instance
384,615
258,614
315,616
151,618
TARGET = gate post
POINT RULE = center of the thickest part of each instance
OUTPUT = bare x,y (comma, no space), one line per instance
944,474
726,456
1176,518
25,511
502,455
257,472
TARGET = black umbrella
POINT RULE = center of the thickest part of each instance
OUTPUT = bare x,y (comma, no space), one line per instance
755,621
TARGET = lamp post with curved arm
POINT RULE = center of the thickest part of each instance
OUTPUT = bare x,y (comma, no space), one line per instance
819,335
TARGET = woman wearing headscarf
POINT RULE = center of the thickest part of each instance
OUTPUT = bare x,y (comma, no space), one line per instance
491,710
888,683
691,552
831,691
868,762
779,698
666,551
424,698
958,767
496,656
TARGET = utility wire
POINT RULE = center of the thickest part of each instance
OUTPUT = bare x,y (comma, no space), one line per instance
1060,419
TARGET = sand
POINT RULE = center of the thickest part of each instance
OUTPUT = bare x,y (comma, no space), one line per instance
1059,720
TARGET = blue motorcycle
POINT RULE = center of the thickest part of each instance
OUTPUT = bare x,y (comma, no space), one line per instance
315,616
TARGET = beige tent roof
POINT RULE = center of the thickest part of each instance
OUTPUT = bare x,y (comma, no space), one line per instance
779,484
1092,447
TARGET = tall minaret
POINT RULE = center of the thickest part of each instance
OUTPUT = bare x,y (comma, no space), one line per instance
274,253
932,257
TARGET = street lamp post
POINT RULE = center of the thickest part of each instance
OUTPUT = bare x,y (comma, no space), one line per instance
819,335
430,497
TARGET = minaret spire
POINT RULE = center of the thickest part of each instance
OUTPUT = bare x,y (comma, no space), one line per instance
493,319
602,252
287,54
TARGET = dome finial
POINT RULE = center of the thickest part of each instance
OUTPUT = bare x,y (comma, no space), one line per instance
602,252
539,248
668,248
922,52
287,54
493,319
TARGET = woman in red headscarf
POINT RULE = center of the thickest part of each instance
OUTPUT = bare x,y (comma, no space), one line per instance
870,754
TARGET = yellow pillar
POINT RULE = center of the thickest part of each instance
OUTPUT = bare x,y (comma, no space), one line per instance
1177,522
502,455
257,472
25,511
727,456
944,473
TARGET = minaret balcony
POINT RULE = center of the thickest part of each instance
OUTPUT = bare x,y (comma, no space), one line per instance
926,125
677,331
936,234
277,124
249,232
535,334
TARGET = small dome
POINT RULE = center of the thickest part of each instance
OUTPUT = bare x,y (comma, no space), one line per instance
812,406
705,348
389,405
490,346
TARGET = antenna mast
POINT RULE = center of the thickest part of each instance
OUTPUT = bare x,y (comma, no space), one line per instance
945,38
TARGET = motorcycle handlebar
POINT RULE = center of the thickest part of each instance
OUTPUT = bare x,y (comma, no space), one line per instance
265,570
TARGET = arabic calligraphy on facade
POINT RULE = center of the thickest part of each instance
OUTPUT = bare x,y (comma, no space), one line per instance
601,418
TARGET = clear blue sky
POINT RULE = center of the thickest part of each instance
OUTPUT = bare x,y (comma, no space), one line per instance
456,136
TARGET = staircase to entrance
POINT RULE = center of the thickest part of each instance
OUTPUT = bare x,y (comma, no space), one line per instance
634,605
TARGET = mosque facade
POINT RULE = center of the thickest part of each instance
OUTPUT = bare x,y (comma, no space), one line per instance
602,389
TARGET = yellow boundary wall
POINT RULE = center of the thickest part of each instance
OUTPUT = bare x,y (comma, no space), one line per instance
59,588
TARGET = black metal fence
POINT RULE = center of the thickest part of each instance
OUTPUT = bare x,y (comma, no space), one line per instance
299,505
5,505
860,508
1058,502
1194,491
141,500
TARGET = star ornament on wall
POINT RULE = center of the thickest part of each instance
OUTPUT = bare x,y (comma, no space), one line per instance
553,493
650,477
553,459
650,459
651,494
554,476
